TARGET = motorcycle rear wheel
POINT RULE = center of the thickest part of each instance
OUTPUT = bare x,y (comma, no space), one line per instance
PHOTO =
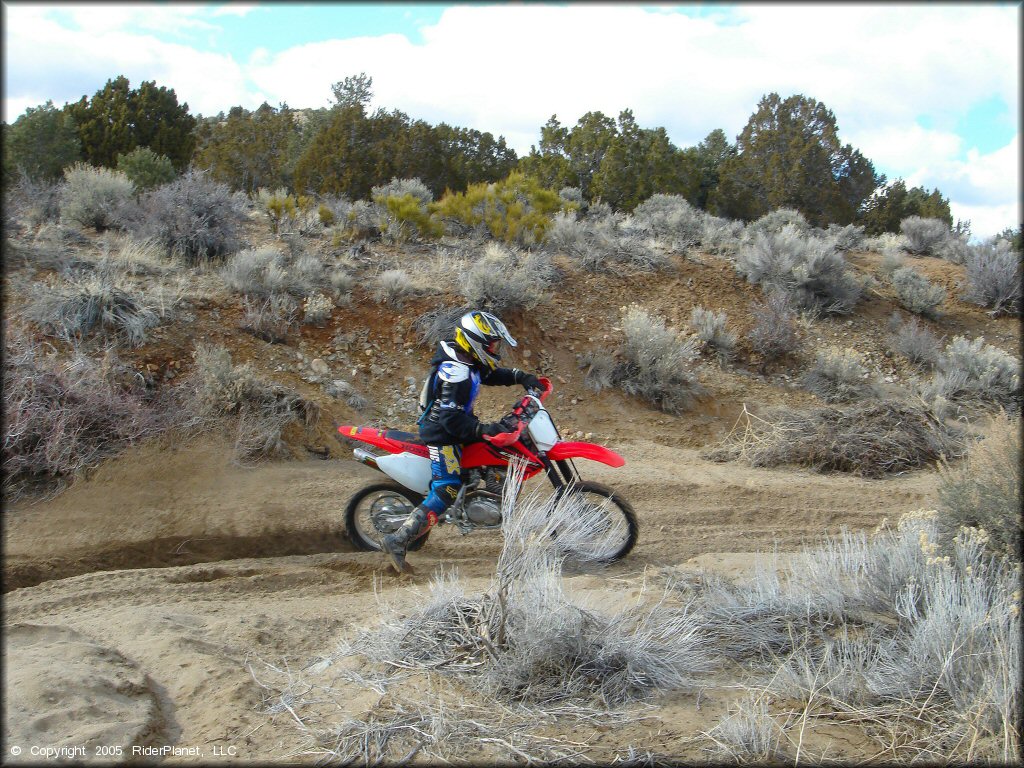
622,528
377,510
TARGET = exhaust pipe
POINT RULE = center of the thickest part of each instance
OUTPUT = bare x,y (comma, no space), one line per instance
365,457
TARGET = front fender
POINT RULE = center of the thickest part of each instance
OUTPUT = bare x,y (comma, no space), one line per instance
585,451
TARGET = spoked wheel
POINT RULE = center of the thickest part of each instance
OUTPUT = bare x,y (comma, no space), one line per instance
378,510
613,523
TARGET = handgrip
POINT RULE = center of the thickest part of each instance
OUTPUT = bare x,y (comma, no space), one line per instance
505,438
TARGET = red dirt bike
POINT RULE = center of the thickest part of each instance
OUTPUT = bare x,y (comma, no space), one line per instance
380,508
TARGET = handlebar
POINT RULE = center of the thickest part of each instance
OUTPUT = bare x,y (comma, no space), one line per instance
524,407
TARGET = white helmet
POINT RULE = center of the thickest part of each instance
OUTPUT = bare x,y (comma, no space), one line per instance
480,335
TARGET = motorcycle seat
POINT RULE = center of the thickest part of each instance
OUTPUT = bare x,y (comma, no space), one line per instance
404,437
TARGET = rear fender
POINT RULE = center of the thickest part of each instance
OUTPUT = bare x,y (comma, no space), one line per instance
377,438
590,451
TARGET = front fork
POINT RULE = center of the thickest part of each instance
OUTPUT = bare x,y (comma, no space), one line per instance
561,473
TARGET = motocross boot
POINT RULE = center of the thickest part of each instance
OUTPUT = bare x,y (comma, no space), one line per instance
396,544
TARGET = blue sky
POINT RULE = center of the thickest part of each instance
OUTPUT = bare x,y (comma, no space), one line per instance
928,92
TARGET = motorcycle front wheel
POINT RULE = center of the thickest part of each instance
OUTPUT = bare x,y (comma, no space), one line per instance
615,527
378,510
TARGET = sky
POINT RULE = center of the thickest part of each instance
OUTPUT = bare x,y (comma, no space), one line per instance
929,92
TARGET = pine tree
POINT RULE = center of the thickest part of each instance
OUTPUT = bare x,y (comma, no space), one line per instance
118,119
40,144
789,156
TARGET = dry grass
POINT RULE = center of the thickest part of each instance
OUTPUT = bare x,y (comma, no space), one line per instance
503,667
62,418
868,440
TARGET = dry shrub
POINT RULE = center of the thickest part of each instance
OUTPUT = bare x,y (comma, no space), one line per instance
916,293
984,491
914,341
506,279
838,376
195,218
63,418
870,439
95,197
392,287
809,270
270,319
977,373
262,411
711,330
94,303
993,277
508,662
653,362
774,332
920,651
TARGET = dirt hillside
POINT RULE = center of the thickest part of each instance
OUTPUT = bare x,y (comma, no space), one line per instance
140,602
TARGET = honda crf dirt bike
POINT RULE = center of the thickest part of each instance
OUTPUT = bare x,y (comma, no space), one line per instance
532,437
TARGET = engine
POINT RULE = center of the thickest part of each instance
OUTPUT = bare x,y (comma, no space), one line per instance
483,510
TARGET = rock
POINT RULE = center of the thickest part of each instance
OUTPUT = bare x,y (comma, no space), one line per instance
319,367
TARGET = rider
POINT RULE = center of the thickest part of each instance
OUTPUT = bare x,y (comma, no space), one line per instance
459,366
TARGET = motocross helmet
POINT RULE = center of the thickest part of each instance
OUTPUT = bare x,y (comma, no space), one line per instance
480,334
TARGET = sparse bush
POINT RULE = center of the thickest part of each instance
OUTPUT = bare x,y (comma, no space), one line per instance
316,309
505,280
749,734
918,648
892,261
599,368
916,293
402,187
973,371
773,334
95,197
923,236
867,439
406,217
355,222
216,389
672,219
341,284
266,271
845,238
255,271
608,243
194,217
720,235
984,490
326,216
392,287
61,418
955,248
775,222
811,272
994,277
522,646
145,168
270,318
914,341
838,375
132,256
515,210
79,307
32,200
656,364
710,329
573,196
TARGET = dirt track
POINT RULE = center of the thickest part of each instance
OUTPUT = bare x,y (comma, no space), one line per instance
175,567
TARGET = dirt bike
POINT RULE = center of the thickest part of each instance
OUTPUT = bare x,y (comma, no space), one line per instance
532,437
